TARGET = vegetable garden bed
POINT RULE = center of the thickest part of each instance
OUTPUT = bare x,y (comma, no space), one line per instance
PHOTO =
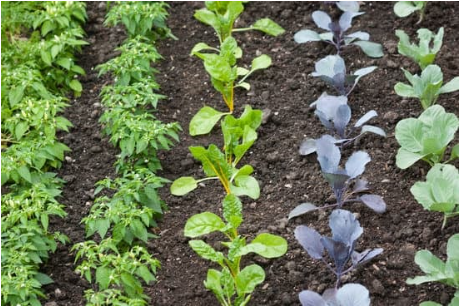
284,91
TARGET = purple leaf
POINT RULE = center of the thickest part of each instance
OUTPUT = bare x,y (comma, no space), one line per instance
360,186
353,295
310,240
346,18
365,118
342,119
328,154
345,227
356,164
321,19
365,256
337,181
374,202
329,104
307,147
325,120
310,298
301,209
338,251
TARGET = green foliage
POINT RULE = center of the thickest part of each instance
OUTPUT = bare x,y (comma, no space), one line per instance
405,8
425,52
426,87
221,16
239,135
232,285
141,18
224,72
436,270
425,138
440,191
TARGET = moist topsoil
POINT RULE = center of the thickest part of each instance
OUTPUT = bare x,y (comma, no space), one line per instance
287,179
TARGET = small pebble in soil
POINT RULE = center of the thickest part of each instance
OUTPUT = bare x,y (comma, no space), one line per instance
265,95
272,157
377,286
95,149
391,116
445,299
69,159
266,116
69,178
290,266
187,163
286,299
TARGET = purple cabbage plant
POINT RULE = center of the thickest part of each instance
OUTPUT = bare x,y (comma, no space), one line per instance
335,114
336,35
344,181
341,250
332,70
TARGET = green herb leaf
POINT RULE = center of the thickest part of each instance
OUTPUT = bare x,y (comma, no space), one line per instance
268,26
266,245
204,121
248,279
203,223
183,186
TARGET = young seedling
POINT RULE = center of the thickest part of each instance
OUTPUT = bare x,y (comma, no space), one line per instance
425,52
221,16
346,6
348,295
440,191
405,8
336,35
335,114
437,270
232,286
239,135
224,74
426,138
340,247
426,87
332,70
341,179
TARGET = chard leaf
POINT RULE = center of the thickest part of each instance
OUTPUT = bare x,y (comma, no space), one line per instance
232,210
206,251
212,283
356,164
310,240
301,210
202,224
203,121
261,62
371,49
268,26
305,36
245,185
265,245
183,186
374,202
249,278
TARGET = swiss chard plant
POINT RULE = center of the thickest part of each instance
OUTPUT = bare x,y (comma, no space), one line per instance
426,138
332,70
343,181
437,270
440,191
239,135
335,114
221,16
336,34
425,52
231,285
427,87
405,8
224,72
348,295
340,247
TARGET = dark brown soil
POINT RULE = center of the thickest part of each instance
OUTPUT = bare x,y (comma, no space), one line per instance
286,179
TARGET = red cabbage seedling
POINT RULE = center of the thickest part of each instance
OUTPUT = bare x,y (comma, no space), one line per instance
336,34
348,295
346,6
340,247
341,179
332,70
335,114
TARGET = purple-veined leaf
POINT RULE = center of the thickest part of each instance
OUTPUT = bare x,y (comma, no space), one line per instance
346,18
360,186
329,66
321,19
364,36
310,298
324,119
338,251
305,36
365,118
310,240
353,295
307,147
341,119
356,164
328,154
345,227
365,256
373,129
336,180
301,209
329,104
374,202
348,6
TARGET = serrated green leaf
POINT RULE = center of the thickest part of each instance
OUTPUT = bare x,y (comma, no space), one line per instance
138,229
24,172
103,277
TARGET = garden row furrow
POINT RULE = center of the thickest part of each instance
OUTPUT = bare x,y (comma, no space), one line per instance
39,41
118,261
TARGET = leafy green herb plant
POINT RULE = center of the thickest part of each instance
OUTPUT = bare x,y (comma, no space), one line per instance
221,16
231,285
405,8
425,52
440,191
224,73
425,138
436,270
427,87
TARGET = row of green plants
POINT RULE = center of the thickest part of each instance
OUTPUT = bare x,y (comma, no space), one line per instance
427,138
39,43
115,258
230,283
335,115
